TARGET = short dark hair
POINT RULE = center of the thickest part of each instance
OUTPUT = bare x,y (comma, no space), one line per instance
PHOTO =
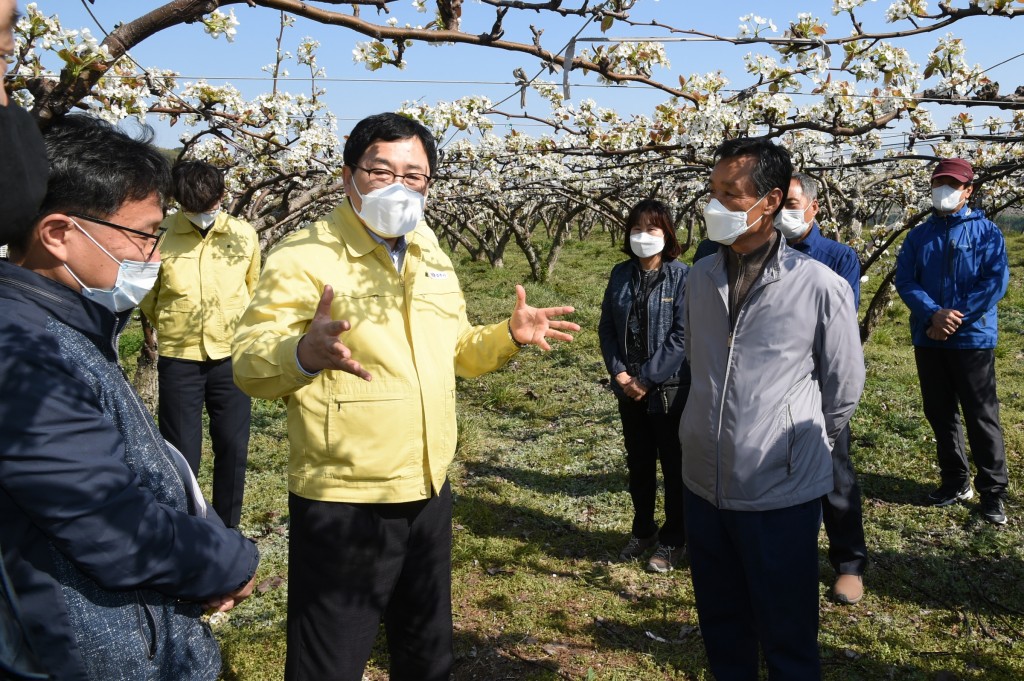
196,185
661,216
387,127
774,167
95,168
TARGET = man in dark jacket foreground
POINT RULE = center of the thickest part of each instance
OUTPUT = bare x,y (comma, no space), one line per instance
104,531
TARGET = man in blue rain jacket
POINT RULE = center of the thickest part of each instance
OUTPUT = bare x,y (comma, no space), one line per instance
951,272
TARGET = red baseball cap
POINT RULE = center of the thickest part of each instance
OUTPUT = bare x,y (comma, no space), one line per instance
957,168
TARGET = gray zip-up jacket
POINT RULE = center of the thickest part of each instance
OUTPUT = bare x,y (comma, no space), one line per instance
768,398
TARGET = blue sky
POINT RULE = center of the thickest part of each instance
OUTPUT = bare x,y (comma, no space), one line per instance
359,92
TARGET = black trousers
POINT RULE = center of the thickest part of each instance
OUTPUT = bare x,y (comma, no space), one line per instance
954,379
351,565
842,513
650,438
185,386
755,580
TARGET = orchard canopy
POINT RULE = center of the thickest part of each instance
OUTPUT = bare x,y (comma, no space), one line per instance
836,90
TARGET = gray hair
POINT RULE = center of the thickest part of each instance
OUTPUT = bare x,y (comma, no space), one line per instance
808,184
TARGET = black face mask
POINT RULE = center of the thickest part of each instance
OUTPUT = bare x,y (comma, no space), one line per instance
23,172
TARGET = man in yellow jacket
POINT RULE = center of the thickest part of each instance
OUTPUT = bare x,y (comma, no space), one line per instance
359,323
208,272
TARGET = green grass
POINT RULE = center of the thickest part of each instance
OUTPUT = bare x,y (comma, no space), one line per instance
541,508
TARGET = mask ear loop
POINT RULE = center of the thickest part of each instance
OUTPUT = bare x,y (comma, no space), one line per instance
75,277
755,206
90,238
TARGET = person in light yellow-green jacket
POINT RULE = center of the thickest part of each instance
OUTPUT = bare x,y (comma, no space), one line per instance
359,323
208,272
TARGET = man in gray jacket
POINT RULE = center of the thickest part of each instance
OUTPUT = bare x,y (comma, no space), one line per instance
777,369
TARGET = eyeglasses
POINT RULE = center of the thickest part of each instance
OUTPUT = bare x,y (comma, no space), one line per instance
381,177
145,235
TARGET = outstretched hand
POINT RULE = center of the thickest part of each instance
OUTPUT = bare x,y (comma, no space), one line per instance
321,348
534,325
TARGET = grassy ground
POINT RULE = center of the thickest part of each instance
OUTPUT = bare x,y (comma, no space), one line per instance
541,508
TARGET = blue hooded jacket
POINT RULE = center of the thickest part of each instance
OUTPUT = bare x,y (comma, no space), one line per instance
957,262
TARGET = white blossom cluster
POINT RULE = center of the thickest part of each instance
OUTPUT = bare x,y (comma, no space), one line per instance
497,184
629,58
752,26
218,24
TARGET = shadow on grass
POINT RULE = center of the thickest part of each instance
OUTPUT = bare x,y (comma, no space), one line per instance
957,602
572,485
601,644
978,593
538,532
894,490
967,662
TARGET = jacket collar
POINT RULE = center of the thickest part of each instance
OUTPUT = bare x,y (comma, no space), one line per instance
91,319
772,271
810,241
965,214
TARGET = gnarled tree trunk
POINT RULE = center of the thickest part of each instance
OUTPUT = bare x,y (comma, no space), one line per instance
146,375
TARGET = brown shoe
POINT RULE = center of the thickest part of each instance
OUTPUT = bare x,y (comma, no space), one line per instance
848,589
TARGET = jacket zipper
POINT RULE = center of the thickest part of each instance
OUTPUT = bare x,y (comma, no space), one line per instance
625,327
947,266
30,288
185,484
647,304
725,388
721,409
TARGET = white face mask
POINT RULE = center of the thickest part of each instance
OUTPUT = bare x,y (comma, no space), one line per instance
791,223
391,211
945,199
203,220
724,225
134,280
646,245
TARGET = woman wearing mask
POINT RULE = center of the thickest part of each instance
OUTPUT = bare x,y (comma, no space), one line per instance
641,332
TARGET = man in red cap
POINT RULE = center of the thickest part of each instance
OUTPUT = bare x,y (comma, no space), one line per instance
951,272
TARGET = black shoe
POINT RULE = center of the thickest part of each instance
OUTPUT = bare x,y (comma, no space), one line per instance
636,547
948,494
665,558
993,509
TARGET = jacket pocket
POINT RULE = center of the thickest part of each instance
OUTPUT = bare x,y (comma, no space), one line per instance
147,625
781,445
370,437
178,321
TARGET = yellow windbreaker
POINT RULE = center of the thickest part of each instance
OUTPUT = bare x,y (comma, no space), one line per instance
390,439
203,287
